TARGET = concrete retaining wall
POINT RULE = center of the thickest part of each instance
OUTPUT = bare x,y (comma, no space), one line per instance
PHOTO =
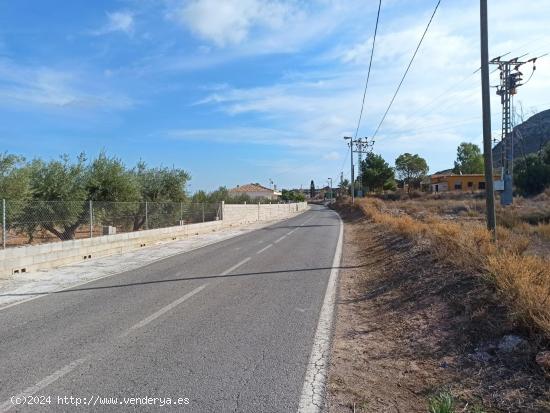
244,214
36,257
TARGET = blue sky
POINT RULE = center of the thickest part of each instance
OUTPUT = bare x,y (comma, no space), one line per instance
241,91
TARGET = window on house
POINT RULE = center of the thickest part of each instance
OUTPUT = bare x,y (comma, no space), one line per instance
458,186
481,185
470,184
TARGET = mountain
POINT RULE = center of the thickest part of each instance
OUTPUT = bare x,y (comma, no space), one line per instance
529,137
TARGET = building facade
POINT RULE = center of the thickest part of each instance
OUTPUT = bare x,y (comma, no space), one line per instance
256,191
455,182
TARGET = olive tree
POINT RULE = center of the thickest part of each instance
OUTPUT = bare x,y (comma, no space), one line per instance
411,169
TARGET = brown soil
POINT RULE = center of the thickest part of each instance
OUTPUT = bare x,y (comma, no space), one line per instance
408,327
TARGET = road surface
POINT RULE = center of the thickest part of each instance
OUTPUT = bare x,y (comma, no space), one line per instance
227,327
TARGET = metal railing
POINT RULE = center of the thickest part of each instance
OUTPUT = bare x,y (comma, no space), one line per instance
38,222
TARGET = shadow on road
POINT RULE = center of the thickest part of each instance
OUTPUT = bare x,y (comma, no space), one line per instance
202,277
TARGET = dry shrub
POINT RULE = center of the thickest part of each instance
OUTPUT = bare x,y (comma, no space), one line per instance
543,231
523,280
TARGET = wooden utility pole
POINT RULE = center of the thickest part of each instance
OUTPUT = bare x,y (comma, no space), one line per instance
486,106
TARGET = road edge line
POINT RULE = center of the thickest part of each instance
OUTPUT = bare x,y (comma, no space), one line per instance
313,391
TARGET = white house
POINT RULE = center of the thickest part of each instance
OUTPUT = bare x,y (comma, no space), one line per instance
256,191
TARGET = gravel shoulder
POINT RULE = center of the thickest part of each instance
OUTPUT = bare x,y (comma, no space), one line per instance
409,327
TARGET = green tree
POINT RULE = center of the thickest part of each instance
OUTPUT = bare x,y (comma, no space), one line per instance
59,198
469,159
312,191
292,196
223,194
376,172
161,184
344,187
199,197
108,179
411,169
14,177
165,188
532,173
114,191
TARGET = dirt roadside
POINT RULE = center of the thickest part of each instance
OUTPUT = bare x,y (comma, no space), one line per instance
409,327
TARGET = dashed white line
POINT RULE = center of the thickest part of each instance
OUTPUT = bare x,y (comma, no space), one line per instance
264,248
165,309
7,405
233,268
279,239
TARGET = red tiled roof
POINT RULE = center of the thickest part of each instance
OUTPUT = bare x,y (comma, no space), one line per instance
251,188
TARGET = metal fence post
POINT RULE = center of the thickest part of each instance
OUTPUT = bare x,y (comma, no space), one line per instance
91,219
146,215
203,212
4,236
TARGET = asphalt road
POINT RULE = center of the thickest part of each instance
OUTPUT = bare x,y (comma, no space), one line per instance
229,327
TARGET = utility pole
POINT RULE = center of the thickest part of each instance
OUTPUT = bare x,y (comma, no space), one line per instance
510,80
362,146
329,180
359,146
359,171
352,183
486,107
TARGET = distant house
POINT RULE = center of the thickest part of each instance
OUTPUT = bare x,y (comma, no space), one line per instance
456,182
255,191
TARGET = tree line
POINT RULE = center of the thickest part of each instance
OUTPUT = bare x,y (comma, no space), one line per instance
410,170
54,195
531,172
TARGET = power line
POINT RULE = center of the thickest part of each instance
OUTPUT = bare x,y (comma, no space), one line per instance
370,65
443,94
408,68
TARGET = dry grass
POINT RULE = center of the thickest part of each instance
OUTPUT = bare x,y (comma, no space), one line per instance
523,280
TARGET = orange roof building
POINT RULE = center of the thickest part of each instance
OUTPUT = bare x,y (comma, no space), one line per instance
255,191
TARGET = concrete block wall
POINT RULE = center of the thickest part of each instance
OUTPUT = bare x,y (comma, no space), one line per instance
37,257
244,214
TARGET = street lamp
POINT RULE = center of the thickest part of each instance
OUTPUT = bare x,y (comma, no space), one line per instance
330,186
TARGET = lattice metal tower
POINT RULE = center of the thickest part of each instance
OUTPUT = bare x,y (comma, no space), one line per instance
510,80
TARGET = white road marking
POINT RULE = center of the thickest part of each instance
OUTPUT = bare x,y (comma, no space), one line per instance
7,405
233,268
40,295
312,398
264,248
165,309
116,273
279,239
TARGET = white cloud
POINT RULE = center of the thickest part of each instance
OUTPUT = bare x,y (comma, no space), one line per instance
118,21
439,103
230,21
261,26
47,87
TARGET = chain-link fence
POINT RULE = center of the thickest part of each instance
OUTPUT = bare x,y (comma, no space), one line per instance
37,222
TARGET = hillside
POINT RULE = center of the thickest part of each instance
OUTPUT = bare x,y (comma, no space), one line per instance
529,136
